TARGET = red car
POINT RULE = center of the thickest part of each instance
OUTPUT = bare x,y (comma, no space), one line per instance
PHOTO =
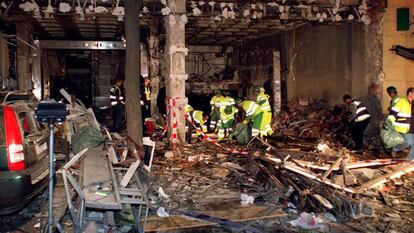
24,166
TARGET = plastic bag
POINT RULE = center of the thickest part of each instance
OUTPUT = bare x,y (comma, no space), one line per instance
389,136
241,134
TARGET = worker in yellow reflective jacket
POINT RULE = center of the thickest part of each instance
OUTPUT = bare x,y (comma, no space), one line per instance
145,98
253,114
393,94
401,116
226,121
215,104
263,101
227,111
198,118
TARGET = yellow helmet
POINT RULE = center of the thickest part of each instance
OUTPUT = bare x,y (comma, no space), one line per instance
188,108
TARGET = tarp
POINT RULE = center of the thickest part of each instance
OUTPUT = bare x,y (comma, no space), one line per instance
87,137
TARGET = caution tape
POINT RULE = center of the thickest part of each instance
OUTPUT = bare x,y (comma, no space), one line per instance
171,110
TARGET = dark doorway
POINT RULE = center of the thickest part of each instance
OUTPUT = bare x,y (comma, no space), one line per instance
78,76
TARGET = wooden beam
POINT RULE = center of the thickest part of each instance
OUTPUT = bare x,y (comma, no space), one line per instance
69,25
234,215
39,30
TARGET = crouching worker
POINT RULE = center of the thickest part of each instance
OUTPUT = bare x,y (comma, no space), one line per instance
226,121
358,118
198,119
401,116
253,114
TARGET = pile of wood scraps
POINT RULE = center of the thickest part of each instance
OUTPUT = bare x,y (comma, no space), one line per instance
305,121
338,184
304,118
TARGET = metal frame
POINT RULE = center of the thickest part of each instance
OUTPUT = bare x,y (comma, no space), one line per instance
77,215
40,45
69,44
133,194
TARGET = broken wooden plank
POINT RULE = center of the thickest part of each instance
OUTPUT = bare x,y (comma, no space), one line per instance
326,174
351,165
108,134
124,155
112,155
118,137
95,122
250,213
68,97
75,159
128,175
404,169
315,177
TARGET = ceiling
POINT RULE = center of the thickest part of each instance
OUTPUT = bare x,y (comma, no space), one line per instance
199,29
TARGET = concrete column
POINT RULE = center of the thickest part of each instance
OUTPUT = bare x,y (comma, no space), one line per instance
154,66
23,53
276,84
175,52
132,71
374,53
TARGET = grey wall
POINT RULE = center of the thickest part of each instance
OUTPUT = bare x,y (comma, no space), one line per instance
329,62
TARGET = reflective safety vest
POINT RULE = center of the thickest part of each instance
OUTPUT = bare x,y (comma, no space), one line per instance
115,95
394,100
226,116
215,102
361,113
251,108
188,108
227,101
400,115
196,116
147,90
263,100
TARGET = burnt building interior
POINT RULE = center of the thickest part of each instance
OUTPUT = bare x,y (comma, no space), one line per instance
305,55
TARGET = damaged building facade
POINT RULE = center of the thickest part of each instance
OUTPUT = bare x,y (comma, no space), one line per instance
306,54
335,46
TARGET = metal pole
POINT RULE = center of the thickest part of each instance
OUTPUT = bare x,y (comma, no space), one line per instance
51,178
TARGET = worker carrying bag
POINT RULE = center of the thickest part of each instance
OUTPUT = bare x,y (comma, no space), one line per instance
389,136
241,134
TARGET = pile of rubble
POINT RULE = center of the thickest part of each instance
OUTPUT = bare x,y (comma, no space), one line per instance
310,120
204,185
336,185
304,118
339,183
